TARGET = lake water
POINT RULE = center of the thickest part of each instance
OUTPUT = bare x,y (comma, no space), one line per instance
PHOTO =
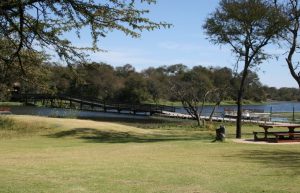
55,112
275,107
71,113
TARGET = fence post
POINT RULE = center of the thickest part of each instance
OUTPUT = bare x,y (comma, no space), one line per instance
293,113
271,109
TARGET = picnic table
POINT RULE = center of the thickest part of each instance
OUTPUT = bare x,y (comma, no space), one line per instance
280,136
4,110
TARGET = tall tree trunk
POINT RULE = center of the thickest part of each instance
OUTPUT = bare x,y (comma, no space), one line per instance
239,115
198,120
240,98
291,53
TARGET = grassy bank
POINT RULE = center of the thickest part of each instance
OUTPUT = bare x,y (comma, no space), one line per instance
288,115
9,104
69,155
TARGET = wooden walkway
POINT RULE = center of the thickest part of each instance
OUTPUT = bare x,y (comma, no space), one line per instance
69,102
219,119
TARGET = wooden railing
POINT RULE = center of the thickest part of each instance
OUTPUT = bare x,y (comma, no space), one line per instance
93,104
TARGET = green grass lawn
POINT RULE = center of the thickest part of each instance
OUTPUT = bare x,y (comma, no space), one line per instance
67,155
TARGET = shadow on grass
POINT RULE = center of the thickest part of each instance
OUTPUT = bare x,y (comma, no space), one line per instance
98,136
148,122
286,161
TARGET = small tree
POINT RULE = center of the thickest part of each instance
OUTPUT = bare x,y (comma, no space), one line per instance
192,89
247,26
222,78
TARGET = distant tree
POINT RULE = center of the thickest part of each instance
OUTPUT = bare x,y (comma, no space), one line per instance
222,77
134,90
288,94
192,89
157,83
271,92
98,80
247,26
61,78
254,89
125,71
222,81
217,96
176,69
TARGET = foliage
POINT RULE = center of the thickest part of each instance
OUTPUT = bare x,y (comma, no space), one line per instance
134,90
33,75
192,89
247,26
4,94
51,24
152,85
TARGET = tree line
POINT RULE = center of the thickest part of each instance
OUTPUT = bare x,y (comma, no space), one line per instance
125,84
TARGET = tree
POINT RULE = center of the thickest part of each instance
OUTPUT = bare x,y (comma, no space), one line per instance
36,77
291,10
134,90
125,71
157,83
254,90
191,88
222,79
98,80
35,24
247,26
61,79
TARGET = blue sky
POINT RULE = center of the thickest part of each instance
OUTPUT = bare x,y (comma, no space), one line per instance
184,43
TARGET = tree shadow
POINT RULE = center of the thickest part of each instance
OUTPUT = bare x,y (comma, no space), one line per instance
146,122
98,136
286,161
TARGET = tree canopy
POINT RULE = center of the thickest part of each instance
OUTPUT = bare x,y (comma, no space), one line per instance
35,24
247,26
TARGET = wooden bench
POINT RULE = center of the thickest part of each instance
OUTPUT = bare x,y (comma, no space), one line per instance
280,134
256,138
286,136
255,135
4,110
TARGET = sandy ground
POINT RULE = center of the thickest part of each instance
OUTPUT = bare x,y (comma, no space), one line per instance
251,141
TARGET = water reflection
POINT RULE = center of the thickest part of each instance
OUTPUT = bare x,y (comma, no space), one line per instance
69,113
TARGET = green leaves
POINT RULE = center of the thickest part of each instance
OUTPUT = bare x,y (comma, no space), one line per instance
246,25
48,23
